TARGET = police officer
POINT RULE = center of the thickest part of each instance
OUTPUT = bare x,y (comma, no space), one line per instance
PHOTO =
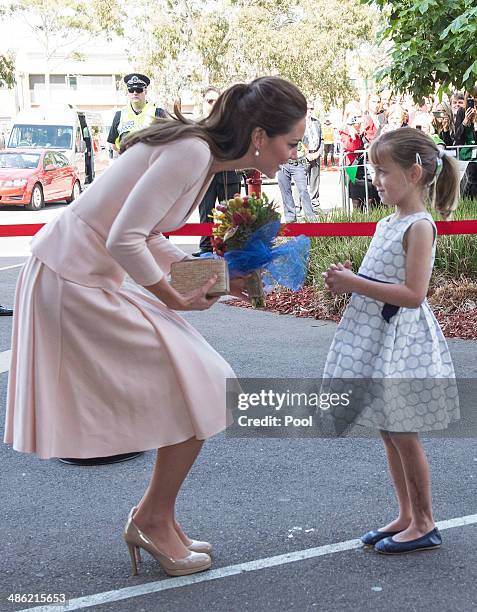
137,114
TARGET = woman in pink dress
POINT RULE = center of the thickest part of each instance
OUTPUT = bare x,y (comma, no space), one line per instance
99,365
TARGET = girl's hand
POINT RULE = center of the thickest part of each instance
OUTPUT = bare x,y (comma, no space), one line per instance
339,278
238,288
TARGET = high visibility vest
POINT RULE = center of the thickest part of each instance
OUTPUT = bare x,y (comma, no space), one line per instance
130,122
328,134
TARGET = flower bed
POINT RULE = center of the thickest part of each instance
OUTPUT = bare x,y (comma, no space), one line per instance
453,288
309,303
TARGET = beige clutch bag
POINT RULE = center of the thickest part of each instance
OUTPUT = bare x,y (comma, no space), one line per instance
192,274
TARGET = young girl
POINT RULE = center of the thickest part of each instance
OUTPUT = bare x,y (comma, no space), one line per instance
389,332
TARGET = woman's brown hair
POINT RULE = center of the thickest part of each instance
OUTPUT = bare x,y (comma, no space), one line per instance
271,103
440,173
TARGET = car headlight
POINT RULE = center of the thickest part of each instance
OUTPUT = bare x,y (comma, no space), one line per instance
15,183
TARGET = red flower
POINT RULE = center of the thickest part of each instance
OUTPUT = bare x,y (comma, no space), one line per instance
219,245
238,219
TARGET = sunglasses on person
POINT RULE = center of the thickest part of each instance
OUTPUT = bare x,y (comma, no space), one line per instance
135,89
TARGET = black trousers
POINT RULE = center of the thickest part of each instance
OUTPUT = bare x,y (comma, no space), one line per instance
215,192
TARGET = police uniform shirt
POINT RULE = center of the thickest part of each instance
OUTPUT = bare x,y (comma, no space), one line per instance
113,132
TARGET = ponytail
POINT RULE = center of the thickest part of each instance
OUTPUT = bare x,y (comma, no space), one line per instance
445,190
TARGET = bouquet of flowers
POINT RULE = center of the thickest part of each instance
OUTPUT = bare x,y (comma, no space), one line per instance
244,233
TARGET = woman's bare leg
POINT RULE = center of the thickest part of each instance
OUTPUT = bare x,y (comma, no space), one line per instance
155,513
397,474
416,473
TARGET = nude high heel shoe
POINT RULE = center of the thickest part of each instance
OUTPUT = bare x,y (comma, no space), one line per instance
200,547
136,539
195,545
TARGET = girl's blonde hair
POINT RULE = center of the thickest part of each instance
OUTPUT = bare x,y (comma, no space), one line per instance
440,173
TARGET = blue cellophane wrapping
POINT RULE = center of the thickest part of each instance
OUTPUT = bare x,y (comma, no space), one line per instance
284,264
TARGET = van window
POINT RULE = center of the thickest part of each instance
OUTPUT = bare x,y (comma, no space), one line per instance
45,136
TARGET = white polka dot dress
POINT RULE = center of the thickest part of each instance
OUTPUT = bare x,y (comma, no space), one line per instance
402,350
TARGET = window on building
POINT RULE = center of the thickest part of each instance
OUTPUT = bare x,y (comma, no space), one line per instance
37,80
95,81
72,81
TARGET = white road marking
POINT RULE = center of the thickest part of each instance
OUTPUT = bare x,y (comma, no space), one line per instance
11,267
232,570
5,358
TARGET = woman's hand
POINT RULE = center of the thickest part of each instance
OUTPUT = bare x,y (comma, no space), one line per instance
238,288
195,300
198,299
339,278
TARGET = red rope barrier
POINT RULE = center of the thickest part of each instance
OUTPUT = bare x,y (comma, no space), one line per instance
288,229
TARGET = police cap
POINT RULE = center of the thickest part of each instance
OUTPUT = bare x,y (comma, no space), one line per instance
136,79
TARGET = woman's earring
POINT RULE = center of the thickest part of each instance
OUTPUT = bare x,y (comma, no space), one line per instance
257,153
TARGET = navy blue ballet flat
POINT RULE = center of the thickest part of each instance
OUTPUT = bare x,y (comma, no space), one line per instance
372,537
388,546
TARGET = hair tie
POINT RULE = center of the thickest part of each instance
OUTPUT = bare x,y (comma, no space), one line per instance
440,155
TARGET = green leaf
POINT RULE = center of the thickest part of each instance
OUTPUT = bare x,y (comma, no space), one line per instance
423,7
470,69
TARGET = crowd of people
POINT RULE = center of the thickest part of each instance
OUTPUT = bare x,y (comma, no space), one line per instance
451,122
331,141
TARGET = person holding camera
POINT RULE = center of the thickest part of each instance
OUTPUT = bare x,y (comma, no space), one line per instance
353,142
351,138
374,120
466,134
443,123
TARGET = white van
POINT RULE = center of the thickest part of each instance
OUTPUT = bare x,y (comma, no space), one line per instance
56,127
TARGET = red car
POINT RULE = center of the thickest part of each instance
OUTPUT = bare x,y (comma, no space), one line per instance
32,177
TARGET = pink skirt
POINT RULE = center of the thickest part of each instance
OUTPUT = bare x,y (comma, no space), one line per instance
97,373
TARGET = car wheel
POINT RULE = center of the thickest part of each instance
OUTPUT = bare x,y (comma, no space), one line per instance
37,200
75,192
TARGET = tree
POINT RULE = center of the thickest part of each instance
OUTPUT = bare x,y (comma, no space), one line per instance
192,43
308,43
432,45
7,65
7,71
63,28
